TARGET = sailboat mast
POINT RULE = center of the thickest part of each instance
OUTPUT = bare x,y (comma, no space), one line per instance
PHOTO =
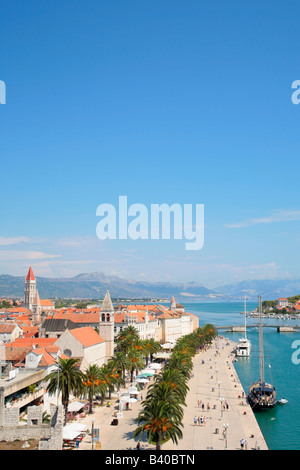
245,316
261,346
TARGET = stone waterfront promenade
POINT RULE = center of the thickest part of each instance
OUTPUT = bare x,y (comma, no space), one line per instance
214,383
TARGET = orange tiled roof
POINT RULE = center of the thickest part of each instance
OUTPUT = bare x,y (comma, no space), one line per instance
16,353
46,303
37,342
120,317
169,314
141,307
47,359
7,327
87,336
78,317
29,331
17,310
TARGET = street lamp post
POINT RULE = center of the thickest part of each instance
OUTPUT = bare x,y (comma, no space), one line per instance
225,426
58,357
219,385
93,421
221,401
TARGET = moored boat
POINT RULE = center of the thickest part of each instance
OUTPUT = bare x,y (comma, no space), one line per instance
243,347
261,395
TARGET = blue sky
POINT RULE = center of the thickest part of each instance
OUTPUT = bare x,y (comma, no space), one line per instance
162,101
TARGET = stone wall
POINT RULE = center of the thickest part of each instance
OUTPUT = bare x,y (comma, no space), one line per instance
23,433
50,435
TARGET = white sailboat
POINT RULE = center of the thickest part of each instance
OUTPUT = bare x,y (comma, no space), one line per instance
243,347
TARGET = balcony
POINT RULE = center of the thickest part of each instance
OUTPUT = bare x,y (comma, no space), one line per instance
25,398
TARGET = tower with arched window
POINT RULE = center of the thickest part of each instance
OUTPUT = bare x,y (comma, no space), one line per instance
106,324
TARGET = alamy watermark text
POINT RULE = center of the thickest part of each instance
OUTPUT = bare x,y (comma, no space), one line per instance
296,94
135,222
2,92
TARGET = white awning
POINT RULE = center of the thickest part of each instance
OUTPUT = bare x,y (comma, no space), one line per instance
75,406
133,390
73,430
143,381
77,426
155,365
168,345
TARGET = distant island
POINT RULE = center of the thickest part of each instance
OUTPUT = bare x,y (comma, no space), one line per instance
282,306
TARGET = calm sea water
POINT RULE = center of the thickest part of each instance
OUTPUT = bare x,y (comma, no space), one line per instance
280,425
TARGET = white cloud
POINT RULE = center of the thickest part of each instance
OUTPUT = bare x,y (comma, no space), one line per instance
12,255
269,270
4,241
276,216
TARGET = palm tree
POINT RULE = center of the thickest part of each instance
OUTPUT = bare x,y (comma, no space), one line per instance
126,338
92,384
120,362
159,422
152,347
209,332
167,392
136,361
187,343
116,376
182,362
109,376
175,379
67,379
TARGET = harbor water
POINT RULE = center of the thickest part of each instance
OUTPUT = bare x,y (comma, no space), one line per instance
280,425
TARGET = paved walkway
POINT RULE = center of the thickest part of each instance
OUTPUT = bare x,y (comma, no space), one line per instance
214,379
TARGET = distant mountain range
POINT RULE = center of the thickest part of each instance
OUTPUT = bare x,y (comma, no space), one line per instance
94,286
268,289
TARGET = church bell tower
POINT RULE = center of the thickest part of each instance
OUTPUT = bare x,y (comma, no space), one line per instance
29,290
106,325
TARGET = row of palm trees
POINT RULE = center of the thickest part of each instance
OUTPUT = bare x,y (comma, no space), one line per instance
131,355
161,416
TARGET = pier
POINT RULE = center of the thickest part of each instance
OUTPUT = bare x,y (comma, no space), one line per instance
215,382
241,328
